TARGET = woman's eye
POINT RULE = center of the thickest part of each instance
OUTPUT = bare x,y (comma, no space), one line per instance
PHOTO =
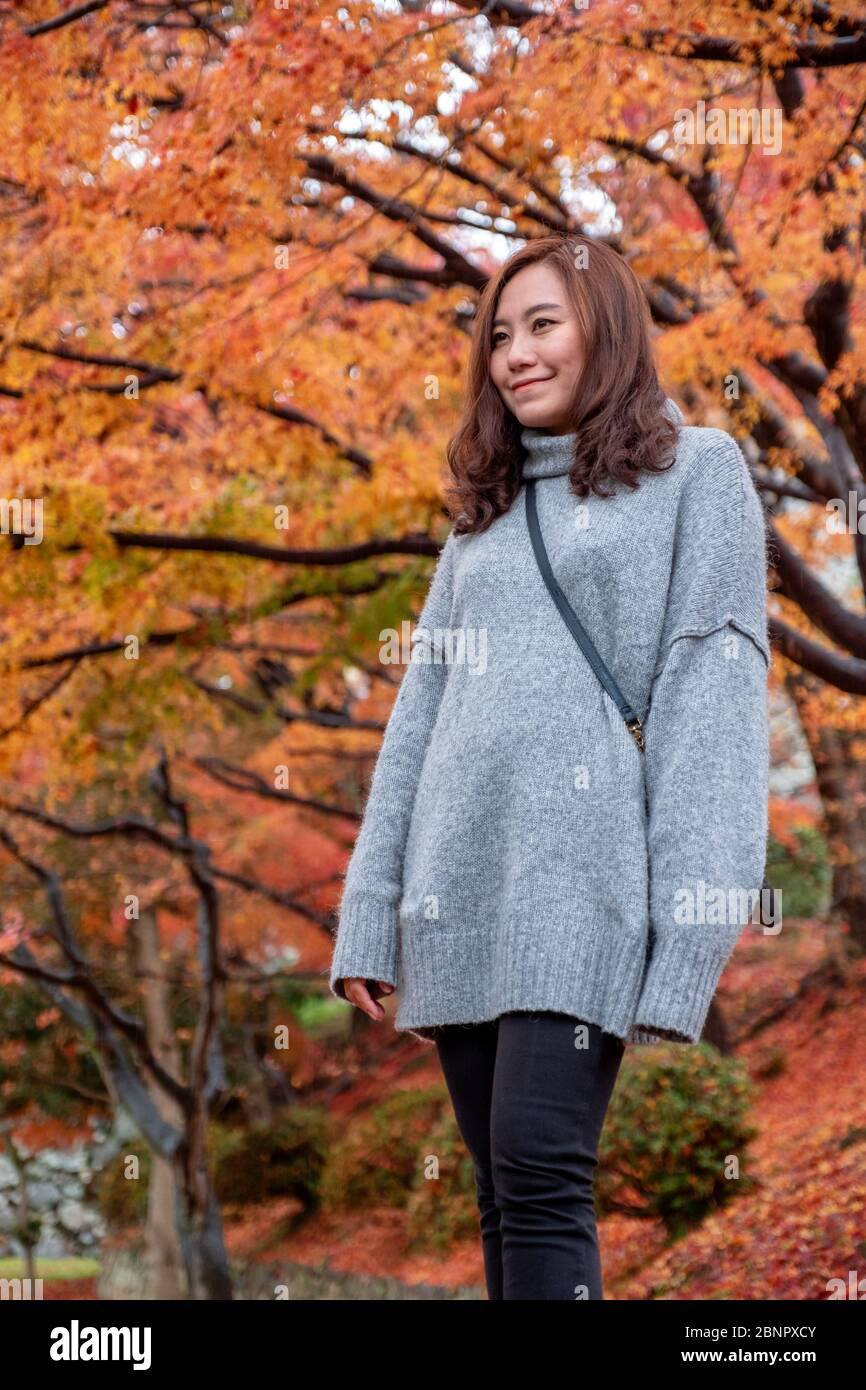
497,336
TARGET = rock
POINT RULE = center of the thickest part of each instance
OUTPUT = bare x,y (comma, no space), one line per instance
58,1188
65,1160
74,1217
43,1195
51,1246
7,1214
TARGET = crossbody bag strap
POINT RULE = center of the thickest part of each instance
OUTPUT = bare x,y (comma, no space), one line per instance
632,719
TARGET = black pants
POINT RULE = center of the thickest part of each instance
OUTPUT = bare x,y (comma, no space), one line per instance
530,1092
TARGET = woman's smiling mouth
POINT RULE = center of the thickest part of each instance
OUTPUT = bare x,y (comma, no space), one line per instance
534,381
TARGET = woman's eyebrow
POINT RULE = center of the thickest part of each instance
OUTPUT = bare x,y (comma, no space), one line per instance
527,312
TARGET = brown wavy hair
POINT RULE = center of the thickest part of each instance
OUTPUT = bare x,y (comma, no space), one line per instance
617,407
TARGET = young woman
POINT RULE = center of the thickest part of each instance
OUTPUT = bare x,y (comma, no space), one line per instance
540,888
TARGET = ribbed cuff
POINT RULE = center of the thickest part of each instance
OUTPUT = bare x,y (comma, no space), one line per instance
684,970
366,945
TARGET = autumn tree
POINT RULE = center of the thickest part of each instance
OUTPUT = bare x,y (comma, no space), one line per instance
243,245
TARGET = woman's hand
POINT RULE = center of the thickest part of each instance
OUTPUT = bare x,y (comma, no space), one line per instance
364,994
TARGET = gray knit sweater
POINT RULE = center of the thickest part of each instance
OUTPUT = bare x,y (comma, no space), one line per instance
517,850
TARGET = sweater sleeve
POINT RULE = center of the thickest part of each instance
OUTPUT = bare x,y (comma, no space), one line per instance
707,745
366,944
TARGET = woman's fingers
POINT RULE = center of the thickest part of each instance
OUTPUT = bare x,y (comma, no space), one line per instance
357,993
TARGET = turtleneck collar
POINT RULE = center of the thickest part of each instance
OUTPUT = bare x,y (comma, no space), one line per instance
549,455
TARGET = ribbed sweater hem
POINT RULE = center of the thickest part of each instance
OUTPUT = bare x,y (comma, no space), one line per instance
366,946
593,965
686,965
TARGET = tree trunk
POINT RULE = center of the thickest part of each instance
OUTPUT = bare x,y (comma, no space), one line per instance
26,1228
199,1219
258,1101
842,787
163,1255
716,1030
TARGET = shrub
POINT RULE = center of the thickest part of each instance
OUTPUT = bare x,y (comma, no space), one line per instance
246,1166
381,1155
123,1201
287,1159
443,1209
676,1117
805,877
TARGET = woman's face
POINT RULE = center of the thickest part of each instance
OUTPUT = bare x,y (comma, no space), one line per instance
535,337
